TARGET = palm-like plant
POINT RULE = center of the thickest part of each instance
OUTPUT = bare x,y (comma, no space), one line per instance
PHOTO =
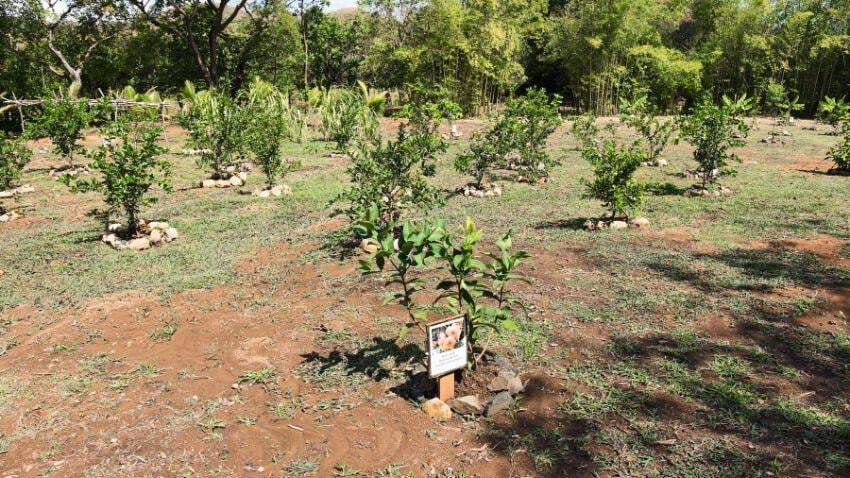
834,111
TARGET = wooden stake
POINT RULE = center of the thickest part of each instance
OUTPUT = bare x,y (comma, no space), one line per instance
446,386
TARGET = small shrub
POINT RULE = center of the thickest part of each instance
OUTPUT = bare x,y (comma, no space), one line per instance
528,121
840,153
392,174
779,103
64,122
346,116
470,287
14,155
835,112
613,181
516,141
216,124
713,130
267,129
130,166
655,134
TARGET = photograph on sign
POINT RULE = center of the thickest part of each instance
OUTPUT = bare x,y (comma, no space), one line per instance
447,343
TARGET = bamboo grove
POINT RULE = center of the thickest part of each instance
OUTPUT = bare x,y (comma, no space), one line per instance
591,52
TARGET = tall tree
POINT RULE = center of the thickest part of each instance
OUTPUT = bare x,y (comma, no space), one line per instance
203,24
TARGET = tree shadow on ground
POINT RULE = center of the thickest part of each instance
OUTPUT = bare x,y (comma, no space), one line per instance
575,224
664,189
678,402
378,359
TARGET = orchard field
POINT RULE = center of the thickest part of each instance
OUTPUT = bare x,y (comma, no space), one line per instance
714,342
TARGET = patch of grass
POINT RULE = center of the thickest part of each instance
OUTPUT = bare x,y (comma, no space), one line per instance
147,369
164,333
288,407
302,467
263,376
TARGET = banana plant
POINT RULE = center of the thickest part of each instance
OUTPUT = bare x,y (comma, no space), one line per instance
834,111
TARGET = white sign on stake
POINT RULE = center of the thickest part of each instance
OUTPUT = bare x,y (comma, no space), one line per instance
447,346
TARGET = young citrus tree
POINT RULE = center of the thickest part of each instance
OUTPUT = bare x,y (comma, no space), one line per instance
654,134
268,127
64,122
129,166
613,180
527,123
267,130
14,155
390,174
840,153
713,130
471,287
517,140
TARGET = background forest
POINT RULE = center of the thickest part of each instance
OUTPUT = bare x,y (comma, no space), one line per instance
592,52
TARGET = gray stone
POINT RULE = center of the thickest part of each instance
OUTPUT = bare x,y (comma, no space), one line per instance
468,405
506,380
498,404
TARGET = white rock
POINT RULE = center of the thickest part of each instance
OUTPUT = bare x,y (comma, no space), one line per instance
6,194
161,225
264,193
115,227
618,225
661,163
109,238
222,183
243,176
236,181
26,188
639,222
208,183
155,236
170,234
139,244
369,246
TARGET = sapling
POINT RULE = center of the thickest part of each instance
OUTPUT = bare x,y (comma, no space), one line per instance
613,180
655,134
517,140
840,153
216,124
65,123
713,130
835,112
390,174
485,155
267,130
14,155
472,288
780,104
130,166
346,116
